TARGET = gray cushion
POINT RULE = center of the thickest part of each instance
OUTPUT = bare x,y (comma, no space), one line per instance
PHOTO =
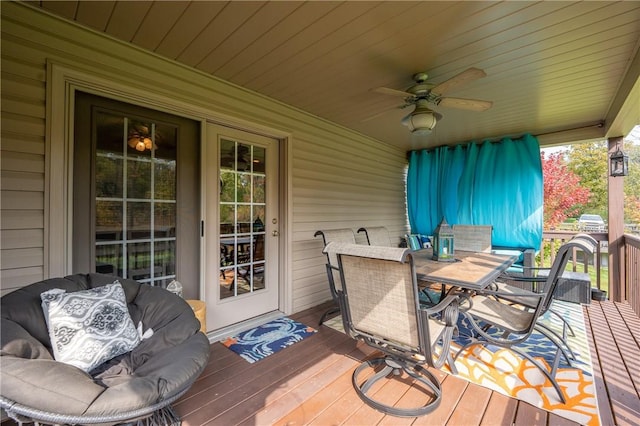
48,385
16,341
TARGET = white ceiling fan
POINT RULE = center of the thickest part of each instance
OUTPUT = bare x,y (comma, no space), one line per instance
423,94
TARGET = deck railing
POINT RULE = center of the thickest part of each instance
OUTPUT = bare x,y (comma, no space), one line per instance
632,271
597,265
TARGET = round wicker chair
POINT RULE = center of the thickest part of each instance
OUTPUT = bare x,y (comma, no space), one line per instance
140,384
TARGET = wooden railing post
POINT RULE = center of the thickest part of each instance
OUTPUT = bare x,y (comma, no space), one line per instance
632,271
617,287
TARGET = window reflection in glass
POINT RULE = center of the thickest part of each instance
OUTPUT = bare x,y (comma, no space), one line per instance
135,190
242,218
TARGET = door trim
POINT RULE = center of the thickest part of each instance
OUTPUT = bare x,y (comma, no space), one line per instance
234,329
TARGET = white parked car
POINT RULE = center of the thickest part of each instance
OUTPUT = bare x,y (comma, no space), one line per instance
591,223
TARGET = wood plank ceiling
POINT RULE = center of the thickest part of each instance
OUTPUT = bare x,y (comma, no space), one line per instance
550,65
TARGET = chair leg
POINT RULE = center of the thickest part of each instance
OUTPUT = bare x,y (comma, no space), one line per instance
331,311
565,324
561,342
394,368
543,370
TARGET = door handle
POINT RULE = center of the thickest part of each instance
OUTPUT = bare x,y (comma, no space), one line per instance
275,233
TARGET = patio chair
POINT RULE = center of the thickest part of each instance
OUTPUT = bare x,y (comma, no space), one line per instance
380,306
137,385
475,238
344,235
535,280
377,236
508,318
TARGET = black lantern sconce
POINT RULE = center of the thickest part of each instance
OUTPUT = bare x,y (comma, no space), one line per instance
443,250
619,163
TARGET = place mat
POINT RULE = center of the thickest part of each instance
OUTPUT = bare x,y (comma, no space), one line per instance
507,373
267,339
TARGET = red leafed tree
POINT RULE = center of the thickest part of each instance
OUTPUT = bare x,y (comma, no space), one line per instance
563,195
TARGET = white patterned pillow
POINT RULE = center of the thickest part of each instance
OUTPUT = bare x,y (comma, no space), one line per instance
89,327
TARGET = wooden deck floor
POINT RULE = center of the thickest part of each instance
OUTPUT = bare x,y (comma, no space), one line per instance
614,335
309,383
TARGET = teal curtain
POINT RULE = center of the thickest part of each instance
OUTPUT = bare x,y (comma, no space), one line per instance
489,183
432,184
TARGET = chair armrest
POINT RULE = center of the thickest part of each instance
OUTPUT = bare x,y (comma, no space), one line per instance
536,268
448,300
520,278
511,294
450,311
332,284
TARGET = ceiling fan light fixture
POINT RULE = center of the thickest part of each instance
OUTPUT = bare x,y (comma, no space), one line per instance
421,120
148,143
140,141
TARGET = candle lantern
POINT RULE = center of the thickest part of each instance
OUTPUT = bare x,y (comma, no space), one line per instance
619,163
443,250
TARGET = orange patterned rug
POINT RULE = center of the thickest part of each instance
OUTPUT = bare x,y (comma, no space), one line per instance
507,373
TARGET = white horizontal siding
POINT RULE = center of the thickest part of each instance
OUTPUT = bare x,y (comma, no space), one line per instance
22,200
340,183
13,279
22,167
338,178
21,238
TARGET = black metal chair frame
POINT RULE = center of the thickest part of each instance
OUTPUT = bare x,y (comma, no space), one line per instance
371,232
331,270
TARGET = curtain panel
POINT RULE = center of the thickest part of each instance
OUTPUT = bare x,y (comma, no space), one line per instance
489,183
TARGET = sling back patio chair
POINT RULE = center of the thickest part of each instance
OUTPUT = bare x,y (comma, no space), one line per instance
508,318
343,235
536,280
380,306
475,238
377,236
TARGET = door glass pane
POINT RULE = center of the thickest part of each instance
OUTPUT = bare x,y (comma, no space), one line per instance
139,179
165,180
135,201
164,225
109,168
258,189
138,220
109,259
242,218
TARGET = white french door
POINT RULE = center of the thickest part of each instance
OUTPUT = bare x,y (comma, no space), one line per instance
241,226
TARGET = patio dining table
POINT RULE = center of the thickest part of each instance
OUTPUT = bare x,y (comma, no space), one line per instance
469,271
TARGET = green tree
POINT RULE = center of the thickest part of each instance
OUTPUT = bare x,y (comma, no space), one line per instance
632,185
590,162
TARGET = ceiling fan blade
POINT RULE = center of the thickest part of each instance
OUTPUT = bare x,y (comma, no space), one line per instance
392,92
463,78
383,112
470,104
